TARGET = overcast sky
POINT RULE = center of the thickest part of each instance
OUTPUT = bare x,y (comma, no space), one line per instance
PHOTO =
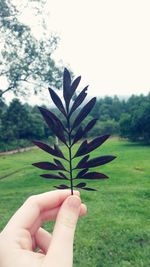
107,42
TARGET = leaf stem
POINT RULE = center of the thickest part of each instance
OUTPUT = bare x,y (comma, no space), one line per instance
70,155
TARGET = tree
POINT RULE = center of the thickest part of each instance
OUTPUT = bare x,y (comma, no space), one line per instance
125,125
135,125
105,127
146,123
108,108
37,127
140,124
3,108
25,60
15,122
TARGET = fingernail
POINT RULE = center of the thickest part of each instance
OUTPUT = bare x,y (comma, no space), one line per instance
74,202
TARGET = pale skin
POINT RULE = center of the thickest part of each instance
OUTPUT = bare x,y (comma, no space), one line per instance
24,235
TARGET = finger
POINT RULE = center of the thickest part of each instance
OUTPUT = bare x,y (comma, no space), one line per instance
60,252
29,212
50,216
42,239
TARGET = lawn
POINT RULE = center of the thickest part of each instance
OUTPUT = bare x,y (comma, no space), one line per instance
116,231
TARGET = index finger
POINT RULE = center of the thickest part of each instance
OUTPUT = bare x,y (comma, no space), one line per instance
29,212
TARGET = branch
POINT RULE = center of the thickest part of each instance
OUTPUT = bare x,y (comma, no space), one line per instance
37,84
20,80
6,90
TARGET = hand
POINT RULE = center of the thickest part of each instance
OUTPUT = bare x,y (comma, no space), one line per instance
23,233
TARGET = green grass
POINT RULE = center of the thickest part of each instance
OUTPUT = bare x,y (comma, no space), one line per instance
116,231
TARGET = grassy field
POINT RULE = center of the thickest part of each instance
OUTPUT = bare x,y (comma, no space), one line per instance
116,231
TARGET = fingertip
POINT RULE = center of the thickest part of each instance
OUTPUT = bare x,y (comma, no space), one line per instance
83,210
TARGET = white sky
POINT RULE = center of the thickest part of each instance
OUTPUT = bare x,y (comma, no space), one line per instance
105,41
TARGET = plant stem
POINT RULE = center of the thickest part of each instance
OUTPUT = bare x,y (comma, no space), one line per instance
70,156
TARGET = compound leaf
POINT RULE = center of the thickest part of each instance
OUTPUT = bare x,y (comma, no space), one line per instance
69,136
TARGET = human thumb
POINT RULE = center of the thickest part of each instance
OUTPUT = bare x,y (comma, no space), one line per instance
60,252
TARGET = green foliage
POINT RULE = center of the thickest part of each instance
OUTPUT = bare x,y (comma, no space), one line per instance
115,232
125,125
135,124
15,144
25,59
129,119
18,121
109,126
108,108
36,126
19,124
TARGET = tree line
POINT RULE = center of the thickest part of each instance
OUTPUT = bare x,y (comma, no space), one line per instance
21,123
127,118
